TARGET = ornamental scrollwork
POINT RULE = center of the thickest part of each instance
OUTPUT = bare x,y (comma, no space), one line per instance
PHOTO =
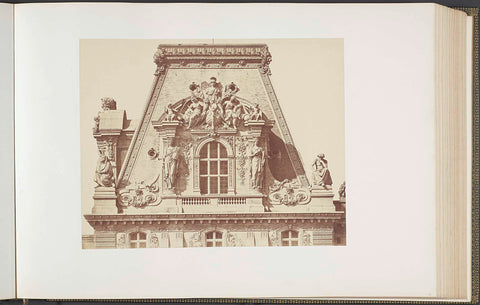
242,145
160,59
154,241
266,60
288,192
141,195
121,240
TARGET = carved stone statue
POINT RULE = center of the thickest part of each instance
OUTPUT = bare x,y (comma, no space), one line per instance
214,115
108,103
104,175
212,91
233,109
257,164
255,114
170,114
170,165
342,192
321,173
195,112
96,128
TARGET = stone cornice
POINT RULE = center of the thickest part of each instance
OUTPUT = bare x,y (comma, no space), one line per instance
212,56
215,218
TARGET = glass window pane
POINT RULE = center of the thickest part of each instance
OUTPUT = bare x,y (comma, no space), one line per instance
223,167
294,243
209,235
143,245
223,151
133,236
213,150
218,244
213,185
218,235
223,185
285,234
294,234
204,185
203,151
209,244
203,167
284,242
143,236
213,167
133,245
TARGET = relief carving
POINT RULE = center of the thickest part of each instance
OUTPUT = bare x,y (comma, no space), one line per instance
140,194
160,59
187,153
274,239
242,158
154,241
211,107
195,240
121,240
266,60
288,193
307,239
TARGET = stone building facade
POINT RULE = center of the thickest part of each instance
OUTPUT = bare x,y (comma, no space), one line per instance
211,162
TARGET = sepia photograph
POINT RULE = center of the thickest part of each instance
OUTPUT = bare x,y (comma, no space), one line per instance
212,143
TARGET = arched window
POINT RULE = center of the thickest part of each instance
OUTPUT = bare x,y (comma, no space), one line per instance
138,240
289,238
214,239
213,169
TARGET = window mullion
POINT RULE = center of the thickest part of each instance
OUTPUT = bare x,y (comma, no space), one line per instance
208,168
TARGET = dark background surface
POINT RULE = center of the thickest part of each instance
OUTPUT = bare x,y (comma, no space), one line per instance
451,3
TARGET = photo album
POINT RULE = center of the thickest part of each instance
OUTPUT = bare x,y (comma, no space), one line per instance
239,152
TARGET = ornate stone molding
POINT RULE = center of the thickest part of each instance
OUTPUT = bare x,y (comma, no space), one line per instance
288,193
140,195
212,56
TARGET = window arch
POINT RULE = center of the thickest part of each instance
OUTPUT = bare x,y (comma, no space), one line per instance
138,239
213,168
289,238
214,239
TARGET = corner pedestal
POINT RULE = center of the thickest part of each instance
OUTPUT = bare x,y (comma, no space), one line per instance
105,201
322,201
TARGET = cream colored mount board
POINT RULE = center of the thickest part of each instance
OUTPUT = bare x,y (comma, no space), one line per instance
228,170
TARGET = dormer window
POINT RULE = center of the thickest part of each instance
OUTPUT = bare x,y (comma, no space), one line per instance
213,169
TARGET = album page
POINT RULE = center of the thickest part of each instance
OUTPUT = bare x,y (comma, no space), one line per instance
7,203
225,150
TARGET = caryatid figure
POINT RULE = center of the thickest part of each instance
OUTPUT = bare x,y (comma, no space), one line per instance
104,175
257,165
170,166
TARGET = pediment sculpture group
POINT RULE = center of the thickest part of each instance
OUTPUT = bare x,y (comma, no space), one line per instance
212,106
